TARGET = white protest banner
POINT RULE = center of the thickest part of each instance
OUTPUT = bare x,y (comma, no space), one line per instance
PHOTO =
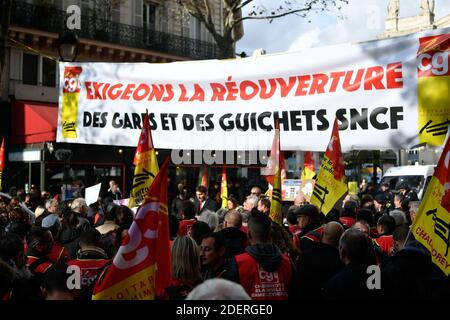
389,93
92,194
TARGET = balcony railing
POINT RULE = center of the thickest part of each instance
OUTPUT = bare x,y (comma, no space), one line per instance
47,18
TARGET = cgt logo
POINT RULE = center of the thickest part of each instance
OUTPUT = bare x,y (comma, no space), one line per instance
266,276
71,79
433,56
437,63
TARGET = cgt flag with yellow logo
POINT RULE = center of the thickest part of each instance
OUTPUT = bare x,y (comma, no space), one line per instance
433,88
142,266
308,171
224,188
146,166
432,224
70,96
273,176
2,161
331,183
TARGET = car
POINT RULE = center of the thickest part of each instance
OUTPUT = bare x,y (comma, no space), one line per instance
415,177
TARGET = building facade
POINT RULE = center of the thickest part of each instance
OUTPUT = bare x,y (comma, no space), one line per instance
156,31
395,27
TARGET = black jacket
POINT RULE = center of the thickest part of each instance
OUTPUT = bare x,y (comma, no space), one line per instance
209,204
315,267
410,273
350,284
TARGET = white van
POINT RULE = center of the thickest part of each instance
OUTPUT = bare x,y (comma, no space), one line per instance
416,177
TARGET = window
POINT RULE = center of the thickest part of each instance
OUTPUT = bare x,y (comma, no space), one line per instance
38,70
196,28
48,72
30,69
149,16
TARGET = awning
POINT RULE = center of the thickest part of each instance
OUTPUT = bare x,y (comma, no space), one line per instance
33,122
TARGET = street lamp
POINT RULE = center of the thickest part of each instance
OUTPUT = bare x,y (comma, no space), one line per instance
68,46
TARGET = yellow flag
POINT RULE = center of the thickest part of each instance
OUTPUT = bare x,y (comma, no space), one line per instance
331,183
433,89
275,201
273,176
432,224
224,188
146,166
70,96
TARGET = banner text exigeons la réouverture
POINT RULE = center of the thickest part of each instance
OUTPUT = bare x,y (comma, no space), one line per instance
385,94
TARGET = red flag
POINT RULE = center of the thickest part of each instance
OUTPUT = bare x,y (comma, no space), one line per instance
142,265
145,141
331,183
442,173
203,179
2,155
276,159
146,164
308,171
334,153
432,225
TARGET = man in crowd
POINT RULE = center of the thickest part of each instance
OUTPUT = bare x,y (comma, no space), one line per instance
264,272
250,202
213,258
91,259
202,201
264,206
318,264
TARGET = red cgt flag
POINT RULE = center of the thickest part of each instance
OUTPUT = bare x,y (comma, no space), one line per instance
142,265
334,153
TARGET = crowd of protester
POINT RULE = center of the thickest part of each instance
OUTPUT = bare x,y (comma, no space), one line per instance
235,252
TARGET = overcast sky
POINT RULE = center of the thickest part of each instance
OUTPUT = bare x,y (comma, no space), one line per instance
361,20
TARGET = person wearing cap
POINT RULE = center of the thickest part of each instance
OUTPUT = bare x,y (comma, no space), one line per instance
39,214
385,189
409,194
308,218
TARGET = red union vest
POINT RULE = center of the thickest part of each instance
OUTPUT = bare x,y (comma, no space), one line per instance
90,269
385,243
59,253
261,284
38,265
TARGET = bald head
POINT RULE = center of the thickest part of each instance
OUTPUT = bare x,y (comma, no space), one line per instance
233,219
300,200
332,232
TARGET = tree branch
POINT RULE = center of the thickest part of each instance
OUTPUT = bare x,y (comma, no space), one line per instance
243,4
274,16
